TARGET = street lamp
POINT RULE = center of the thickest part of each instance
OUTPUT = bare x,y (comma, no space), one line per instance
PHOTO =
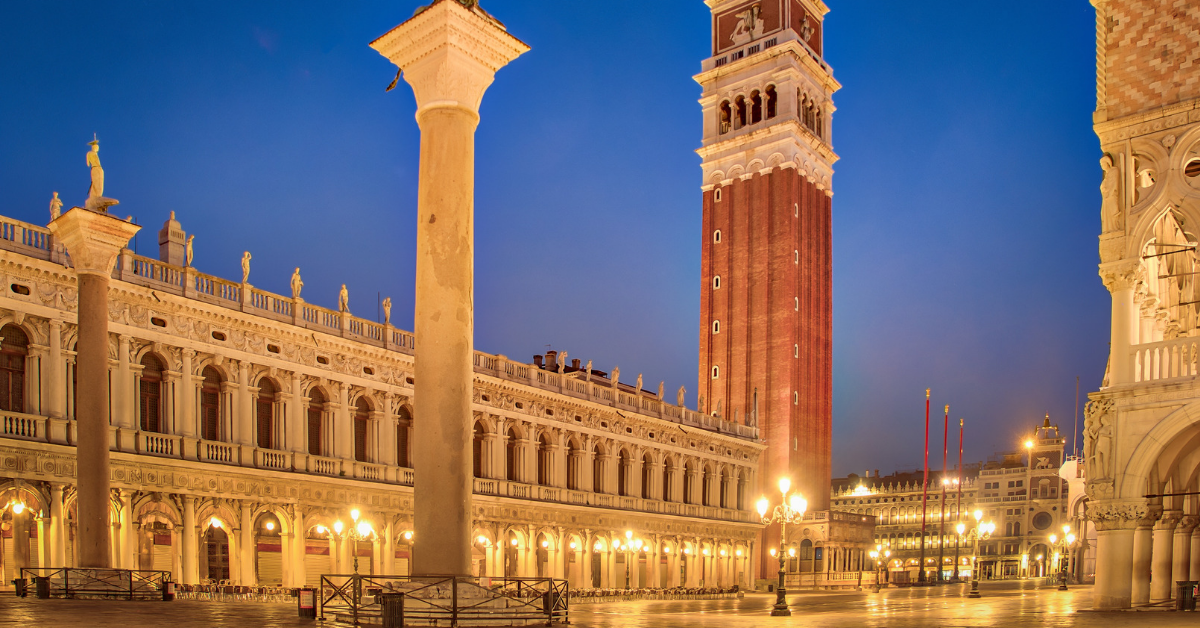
631,547
1062,547
790,509
980,531
359,531
876,554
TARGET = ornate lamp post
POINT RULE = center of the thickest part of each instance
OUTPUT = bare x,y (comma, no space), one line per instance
980,531
359,531
1062,547
631,547
790,509
877,554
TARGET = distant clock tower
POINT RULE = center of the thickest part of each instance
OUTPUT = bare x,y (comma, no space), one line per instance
765,293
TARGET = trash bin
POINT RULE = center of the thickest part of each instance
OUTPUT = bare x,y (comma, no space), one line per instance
41,585
1184,600
21,586
306,603
168,591
392,609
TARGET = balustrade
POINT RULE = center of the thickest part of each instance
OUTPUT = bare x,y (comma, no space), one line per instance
324,466
159,444
368,471
271,459
1169,359
23,426
211,451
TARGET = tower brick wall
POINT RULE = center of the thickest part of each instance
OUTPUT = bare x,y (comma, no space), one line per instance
1147,54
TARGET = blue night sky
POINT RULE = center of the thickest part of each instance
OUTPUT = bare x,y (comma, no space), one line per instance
965,214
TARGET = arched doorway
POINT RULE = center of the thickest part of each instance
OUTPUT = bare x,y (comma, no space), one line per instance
268,550
214,564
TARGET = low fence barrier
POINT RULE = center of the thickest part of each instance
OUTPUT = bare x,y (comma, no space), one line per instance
598,596
130,584
442,600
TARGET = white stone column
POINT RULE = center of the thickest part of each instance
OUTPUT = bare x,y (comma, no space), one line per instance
1162,581
299,547
1182,560
191,554
449,54
246,432
128,547
1115,522
185,401
296,423
58,529
122,386
1143,542
56,399
1119,278
249,578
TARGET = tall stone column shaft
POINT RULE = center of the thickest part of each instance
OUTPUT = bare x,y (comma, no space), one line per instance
1161,580
93,241
449,54
1115,522
1143,542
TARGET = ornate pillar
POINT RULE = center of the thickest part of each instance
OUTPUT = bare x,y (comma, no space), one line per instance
1115,522
1143,542
1119,278
1162,581
449,54
296,440
299,546
122,387
246,432
185,401
128,546
191,555
93,240
587,467
56,398
343,428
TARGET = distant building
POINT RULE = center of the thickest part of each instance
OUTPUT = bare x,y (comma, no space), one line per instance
1020,491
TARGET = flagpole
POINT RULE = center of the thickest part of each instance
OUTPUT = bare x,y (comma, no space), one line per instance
921,579
958,506
942,517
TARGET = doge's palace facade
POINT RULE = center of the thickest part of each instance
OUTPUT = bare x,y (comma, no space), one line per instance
1143,425
245,425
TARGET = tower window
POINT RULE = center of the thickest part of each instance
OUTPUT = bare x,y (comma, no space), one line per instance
716,327
717,195
716,282
756,107
796,210
717,236
716,372
797,304
795,398
797,255
772,102
796,350
739,112
724,118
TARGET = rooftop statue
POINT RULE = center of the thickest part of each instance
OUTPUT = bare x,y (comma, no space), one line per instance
344,300
187,250
297,283
387,310
246,267
96,201
55,207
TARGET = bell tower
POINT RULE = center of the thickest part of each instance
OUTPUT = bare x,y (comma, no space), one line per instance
765,290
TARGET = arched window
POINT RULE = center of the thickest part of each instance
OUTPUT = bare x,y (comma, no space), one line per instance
210,404
756,107
716,327
543,461
14,346
362,419
687,482
716,282
404,441
150,395
510,456
723,487
772,102
597,469
717,236
646,465
477,450
264,413
622,473
725,118
739,112
316,421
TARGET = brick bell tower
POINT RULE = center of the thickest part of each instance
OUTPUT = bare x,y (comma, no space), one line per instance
765,292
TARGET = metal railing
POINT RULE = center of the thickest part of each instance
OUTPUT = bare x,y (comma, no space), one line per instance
130,584
443,600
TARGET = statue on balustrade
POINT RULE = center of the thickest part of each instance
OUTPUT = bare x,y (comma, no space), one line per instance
344,300
616,376
639,384
246,267
297,283
660,390
681,397
387,310
55,207
187,251
96,201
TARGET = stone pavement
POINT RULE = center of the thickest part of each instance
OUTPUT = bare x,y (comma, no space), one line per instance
1004,604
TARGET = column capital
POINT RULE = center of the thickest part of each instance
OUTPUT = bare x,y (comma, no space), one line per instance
1117,514
449,54
92,239
1119,275
1168,520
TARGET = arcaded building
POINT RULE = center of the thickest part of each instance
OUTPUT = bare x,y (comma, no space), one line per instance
1142,465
